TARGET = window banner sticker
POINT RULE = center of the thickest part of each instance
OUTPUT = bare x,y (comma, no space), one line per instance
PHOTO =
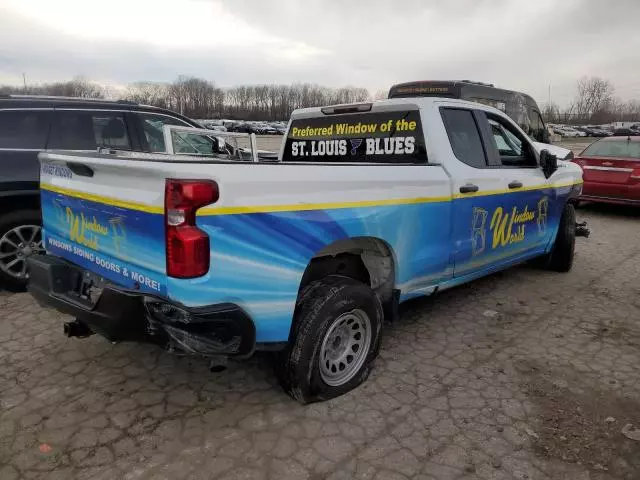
390,137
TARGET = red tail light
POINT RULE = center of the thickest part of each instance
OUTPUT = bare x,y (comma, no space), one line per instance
187,246
579,161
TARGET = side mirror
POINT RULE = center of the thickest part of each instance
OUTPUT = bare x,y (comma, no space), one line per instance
548,162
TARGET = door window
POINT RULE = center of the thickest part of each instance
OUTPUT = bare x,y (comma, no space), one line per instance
25,129
513,149
88,130
183,142
464,136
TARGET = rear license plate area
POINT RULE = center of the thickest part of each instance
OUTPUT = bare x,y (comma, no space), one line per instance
86,288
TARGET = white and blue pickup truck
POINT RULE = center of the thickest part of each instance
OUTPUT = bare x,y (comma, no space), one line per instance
366,206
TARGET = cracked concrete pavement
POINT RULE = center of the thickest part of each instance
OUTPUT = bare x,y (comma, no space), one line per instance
526,374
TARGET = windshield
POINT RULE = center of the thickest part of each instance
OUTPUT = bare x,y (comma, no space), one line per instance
614,148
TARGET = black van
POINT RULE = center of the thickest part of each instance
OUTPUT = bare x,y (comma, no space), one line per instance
519,106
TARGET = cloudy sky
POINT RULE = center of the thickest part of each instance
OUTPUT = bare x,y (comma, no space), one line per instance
525,45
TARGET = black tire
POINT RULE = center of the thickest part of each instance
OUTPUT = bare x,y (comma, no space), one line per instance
7,223
560,259
320,305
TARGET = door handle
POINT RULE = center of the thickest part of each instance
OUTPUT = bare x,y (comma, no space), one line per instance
469,188
515,184
80,169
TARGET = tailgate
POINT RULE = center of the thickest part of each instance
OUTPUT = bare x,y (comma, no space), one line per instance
107,216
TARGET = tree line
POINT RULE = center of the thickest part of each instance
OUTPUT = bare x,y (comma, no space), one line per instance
199,98
594,103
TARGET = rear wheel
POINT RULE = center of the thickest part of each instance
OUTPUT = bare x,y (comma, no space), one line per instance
20,237
335,338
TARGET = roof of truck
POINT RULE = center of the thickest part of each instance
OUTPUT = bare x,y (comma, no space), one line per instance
385,105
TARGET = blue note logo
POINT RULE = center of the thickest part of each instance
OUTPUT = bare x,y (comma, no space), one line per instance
355,143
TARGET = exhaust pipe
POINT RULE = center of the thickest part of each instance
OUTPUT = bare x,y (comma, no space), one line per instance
77,329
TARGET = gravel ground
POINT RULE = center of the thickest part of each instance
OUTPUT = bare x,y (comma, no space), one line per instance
526,374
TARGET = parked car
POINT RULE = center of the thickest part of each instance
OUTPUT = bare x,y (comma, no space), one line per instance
572,132
591,131
29,124
624,132
611,170
598,132
307,258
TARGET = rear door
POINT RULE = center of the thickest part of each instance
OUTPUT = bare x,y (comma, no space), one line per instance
474,182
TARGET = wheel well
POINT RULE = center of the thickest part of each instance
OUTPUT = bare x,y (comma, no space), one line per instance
19,202
367,259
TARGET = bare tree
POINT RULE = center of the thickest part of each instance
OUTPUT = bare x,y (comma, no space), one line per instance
149,93
592,95
551,112
381,95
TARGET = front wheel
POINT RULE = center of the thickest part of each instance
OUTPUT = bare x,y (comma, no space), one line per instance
336,335
560,259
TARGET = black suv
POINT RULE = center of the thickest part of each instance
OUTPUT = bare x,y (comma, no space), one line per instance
29,124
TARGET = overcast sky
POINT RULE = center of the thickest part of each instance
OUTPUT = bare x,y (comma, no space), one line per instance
525,45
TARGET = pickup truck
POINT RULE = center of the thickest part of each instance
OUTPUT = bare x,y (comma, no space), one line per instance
366,206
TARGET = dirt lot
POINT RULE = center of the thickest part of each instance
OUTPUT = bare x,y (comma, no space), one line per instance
526,374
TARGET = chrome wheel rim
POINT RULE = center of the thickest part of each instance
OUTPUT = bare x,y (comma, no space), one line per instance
345,347
16,245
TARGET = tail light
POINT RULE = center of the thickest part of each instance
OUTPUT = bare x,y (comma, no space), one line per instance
579,161
187,246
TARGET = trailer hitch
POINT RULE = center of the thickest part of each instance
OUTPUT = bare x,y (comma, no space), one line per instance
582,230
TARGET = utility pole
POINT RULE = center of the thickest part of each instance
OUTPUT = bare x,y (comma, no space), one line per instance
549,94
24,81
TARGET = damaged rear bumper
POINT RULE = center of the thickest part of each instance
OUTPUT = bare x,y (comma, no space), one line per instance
124,315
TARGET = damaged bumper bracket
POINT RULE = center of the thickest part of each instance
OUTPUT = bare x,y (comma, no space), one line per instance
123,315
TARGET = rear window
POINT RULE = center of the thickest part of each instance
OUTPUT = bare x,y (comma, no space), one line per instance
385,137
614,148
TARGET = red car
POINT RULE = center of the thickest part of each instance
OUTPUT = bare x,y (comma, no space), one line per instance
611,170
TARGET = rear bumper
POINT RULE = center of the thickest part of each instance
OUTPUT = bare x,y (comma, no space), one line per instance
123,315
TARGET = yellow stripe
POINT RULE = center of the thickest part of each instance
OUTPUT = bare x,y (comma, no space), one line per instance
114,202
294,207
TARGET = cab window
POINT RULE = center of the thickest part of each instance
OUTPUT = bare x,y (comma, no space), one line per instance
513,149
464,136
